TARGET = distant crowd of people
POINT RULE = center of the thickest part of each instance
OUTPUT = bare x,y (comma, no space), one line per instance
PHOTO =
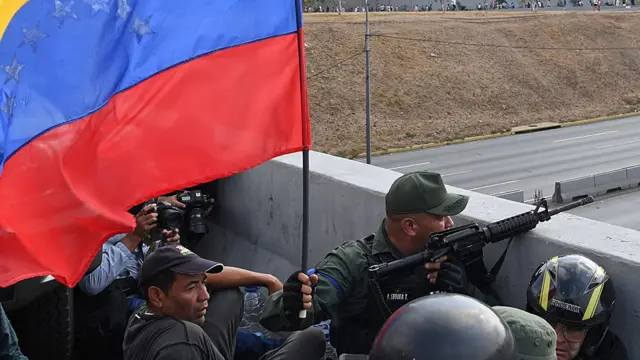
452,5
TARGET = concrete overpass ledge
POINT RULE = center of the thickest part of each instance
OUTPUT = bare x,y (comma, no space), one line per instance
513,195
260,221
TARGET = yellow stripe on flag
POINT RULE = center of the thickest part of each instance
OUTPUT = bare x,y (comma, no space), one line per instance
8,9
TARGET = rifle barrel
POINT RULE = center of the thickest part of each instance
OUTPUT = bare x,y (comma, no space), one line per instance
572,205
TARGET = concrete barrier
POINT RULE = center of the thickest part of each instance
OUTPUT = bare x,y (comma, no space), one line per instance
598,184
514,195
567,190
633,175
259,224
610,181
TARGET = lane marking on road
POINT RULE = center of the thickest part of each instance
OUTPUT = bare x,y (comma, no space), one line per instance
620,144
492,185
585,136
457,173
411,165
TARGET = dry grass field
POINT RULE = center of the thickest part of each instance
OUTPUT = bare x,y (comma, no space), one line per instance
437,77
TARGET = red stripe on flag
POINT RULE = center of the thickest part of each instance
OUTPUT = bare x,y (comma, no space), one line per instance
68,190
304,94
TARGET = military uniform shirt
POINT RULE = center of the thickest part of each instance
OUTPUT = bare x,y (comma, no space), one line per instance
342,287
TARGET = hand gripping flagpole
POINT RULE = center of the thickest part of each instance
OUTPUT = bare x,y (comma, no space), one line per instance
305,146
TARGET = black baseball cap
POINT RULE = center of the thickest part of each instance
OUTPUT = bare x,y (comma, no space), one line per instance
178,259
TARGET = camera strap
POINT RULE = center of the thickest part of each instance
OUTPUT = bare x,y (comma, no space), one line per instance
141,249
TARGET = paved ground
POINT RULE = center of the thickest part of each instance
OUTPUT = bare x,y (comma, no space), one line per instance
536,161
618,209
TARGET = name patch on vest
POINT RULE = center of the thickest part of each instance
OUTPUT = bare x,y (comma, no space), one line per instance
402,296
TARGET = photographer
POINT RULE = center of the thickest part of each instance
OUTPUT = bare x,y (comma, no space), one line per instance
123,254
185,210
104,297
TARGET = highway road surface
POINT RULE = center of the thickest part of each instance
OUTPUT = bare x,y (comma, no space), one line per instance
528,161
618,209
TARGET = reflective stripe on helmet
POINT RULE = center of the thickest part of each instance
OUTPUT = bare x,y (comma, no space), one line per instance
593,301
546,283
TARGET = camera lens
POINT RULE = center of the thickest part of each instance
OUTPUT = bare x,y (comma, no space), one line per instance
196,221
170,218
173,219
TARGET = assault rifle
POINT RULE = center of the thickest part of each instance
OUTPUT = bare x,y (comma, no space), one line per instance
466,242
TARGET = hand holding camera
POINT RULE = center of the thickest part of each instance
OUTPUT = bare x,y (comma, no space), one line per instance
173,200
172,236
146,220
170,213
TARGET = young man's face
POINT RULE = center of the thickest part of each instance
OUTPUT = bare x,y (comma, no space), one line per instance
187,299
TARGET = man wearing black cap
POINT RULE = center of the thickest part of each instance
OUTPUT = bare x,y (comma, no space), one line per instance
182,320
417,204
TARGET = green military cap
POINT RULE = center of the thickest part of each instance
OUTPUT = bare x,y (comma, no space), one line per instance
423,192
535,338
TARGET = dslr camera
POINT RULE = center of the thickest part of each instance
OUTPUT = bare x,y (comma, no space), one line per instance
197,204
169,218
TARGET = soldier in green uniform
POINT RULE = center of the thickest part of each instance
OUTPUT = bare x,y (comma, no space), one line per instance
338,288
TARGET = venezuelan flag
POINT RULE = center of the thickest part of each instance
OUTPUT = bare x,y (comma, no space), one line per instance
107,103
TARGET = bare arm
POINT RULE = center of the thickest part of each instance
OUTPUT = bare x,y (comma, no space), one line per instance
232,277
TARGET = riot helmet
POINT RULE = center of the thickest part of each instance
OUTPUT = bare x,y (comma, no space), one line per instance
574,291
444,327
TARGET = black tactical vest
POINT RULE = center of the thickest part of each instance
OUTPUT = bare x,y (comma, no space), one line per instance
355,334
